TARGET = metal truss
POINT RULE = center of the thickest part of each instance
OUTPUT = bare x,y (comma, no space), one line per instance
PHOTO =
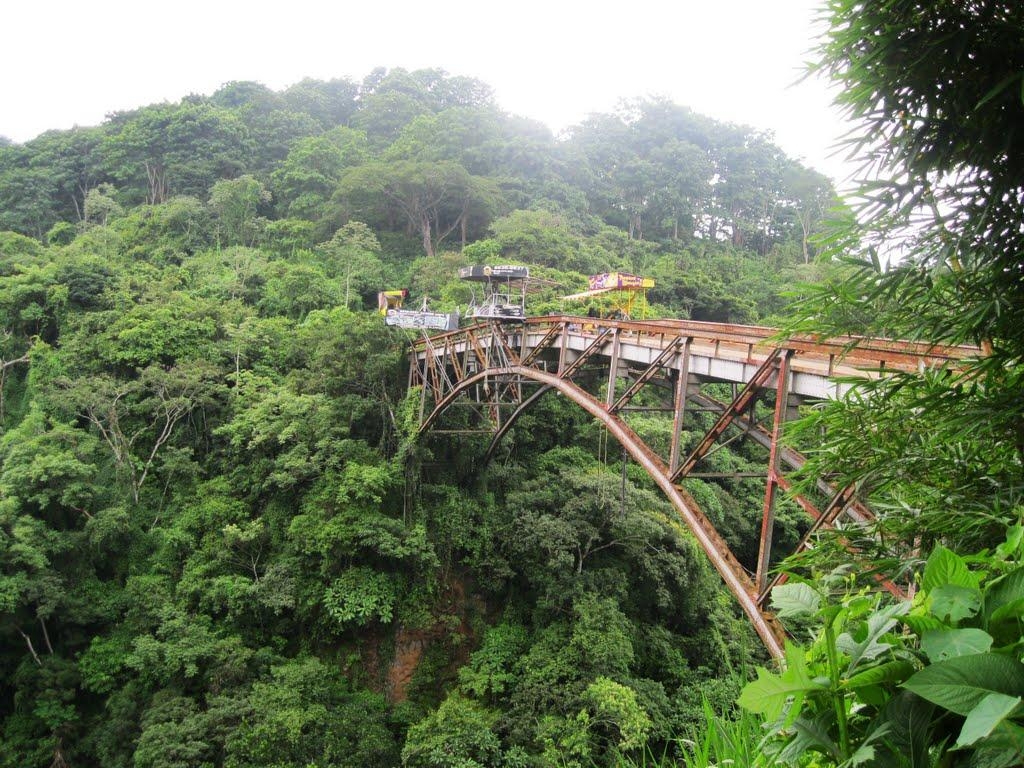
504,369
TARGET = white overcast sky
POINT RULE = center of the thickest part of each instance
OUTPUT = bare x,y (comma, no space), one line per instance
66,63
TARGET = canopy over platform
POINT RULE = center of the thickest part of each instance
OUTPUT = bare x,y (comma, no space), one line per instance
588,294
625,287
488,273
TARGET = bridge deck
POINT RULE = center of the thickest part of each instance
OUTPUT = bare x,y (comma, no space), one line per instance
732,353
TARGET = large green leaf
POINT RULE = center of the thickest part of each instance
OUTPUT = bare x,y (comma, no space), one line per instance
954,603
1014,534
1002,748
908,719
769,694
809,736
945,567
865,752
1004,603
867,644
983,719
942,644
1007,612
1004,590
960,683
922,622
889,672
795,599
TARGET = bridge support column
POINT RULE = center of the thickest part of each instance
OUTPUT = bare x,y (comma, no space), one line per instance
679,404
563,348
774,460
613,369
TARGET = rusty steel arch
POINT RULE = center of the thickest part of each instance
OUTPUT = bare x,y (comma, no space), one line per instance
493,363
729,568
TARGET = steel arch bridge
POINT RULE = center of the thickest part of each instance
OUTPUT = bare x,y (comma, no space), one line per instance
499,370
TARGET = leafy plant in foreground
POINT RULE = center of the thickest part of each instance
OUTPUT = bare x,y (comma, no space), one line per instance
933,680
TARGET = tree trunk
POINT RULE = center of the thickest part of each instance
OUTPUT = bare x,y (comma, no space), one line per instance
428,243
80,209
46,636
31,648
805,233
636,231
157,177
737,235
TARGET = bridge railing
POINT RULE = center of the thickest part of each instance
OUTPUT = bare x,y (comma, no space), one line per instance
843,354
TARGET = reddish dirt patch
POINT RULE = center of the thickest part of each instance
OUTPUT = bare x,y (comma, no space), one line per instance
410,644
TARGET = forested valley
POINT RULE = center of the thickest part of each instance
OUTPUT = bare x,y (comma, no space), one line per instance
218,546
222,542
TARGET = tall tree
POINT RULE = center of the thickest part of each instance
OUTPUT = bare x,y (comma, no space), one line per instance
330,102
181,149
27,194
137,419
434,199
75,160
307,178
236,203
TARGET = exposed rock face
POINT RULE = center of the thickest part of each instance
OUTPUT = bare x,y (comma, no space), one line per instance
411,644
409,647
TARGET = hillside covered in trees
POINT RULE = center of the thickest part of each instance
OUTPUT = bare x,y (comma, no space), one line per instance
220,543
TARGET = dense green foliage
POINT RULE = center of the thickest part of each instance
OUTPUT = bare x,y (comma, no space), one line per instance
220,543
913,683
936,679
945,209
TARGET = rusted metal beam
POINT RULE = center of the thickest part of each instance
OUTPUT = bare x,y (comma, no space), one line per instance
904,355
449,349
827,519
656,365
512,419
613,369
432,367
498,334
816,355
482,358
511,358
586,354
724,475
462,432
736,407
792,458
529,357
764,552
563,349
842,501
679,404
